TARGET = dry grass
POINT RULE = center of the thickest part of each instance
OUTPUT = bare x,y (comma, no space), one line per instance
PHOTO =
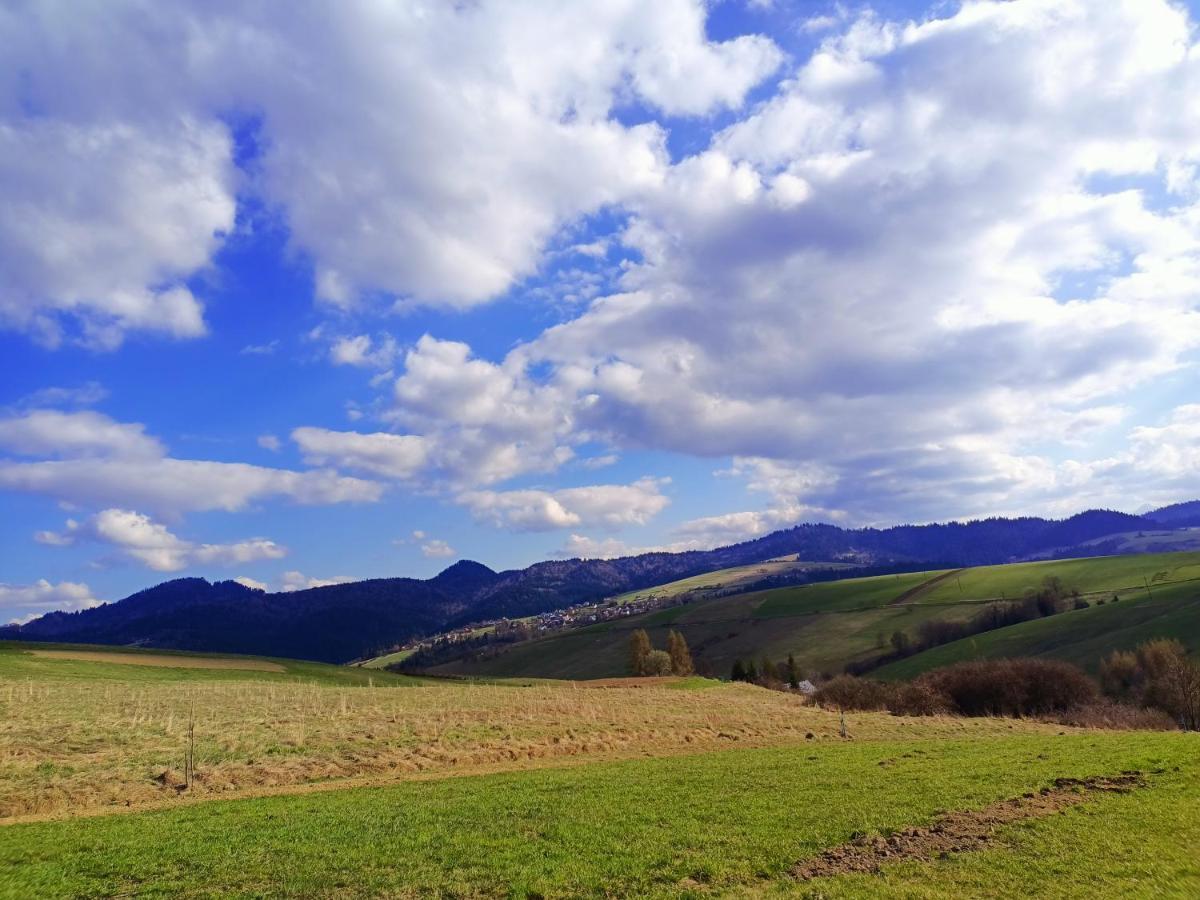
73,747
162,660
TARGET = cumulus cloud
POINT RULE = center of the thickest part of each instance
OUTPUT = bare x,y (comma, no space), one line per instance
604,505
363,351
436,549
873,278
388,455
103,221
174,486
49,432
109,463
21,602
253,583
455,141
140,538
269,442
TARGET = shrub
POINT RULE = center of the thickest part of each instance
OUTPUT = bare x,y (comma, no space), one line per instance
1119,673
1012,687
916,698
849,692
658,663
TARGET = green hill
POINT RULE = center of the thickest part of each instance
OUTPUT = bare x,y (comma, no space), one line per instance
1082,637
827,625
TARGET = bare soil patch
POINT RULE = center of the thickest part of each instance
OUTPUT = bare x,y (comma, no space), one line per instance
163,660
961,832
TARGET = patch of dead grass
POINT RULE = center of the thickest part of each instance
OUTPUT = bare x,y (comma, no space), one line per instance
70,747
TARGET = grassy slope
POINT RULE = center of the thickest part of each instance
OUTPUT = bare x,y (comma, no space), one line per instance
1102,573
1081,636
728,578
722,822
823,625
18,662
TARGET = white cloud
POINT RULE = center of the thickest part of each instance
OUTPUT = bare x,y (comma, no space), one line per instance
873,278
297,581
172,486
48,432
437,174
21,602
102,221
603,505
110,463
260,349
140,538
252,583
86,394
361,350
389,455
269,442
436,549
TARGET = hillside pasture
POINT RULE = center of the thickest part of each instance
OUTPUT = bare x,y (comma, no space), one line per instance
1082,636
827,625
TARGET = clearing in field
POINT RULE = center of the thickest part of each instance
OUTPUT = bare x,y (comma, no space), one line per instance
163,660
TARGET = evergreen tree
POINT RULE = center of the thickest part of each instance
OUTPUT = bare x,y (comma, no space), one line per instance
767,671
739,671
793,673
751,672
681,657
639,652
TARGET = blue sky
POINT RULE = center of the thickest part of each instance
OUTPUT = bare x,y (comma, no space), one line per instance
307,298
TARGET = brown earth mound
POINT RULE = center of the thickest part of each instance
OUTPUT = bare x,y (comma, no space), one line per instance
960,832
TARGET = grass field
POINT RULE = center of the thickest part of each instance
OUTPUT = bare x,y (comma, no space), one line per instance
82,738
1082,637
724,579
733,822
830,624
315,787
20,660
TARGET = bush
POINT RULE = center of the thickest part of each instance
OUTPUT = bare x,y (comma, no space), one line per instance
917,698
848,692
1012,687
1119,673
658,663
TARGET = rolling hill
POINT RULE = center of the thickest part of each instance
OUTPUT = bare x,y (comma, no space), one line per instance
827,626
343,622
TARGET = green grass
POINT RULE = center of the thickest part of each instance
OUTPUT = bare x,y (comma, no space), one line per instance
720,822
728,578
1101,573
1082,637
18,662
827,625
832,596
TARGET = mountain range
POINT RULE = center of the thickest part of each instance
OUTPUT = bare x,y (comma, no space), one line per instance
343,622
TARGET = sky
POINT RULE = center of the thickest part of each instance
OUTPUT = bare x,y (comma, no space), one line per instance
358,290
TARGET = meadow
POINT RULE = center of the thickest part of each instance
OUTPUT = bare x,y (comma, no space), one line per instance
82,735
307,786
827,625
